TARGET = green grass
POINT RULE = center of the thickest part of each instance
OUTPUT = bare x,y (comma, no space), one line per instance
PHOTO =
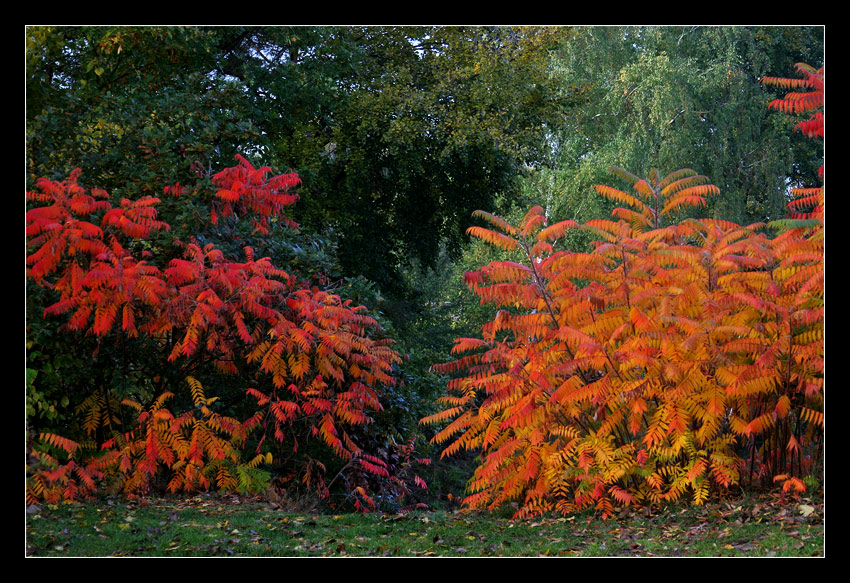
217,526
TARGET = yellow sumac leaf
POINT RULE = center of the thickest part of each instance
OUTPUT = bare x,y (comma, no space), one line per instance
760,424
620,196
783,405
492,237
533,223
556,231
811,416
497,221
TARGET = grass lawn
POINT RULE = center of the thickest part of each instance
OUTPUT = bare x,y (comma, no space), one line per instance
226,526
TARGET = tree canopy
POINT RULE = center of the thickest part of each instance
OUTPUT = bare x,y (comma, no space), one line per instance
673,97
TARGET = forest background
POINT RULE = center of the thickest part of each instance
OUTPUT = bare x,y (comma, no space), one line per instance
397,135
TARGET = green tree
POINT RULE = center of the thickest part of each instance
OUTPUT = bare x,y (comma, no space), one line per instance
412,130
673,97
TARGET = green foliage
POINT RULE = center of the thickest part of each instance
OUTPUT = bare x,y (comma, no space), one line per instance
426,123
674,97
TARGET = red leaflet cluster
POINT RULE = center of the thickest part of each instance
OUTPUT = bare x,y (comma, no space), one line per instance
244,189
807,203
55,231
324,367
797,102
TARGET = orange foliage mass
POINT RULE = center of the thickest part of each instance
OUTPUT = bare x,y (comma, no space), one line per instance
664,362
